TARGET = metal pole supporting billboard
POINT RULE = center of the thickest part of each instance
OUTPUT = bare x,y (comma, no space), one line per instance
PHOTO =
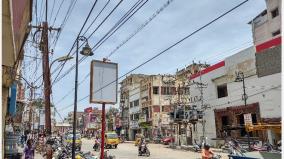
103,131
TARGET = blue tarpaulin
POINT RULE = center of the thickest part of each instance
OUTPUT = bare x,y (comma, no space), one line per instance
12,102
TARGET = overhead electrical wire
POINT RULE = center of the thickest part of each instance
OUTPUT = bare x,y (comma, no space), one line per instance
55,81
96,17
88,16
69,11
215,57
56,15
62,25
50,17
168,48
120,23
40,11
68,93
84,23
36,18
139,28
83,58
251,95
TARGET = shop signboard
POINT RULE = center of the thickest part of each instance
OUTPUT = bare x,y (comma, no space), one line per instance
247,119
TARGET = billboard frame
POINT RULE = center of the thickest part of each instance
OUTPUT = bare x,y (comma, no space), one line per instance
92,83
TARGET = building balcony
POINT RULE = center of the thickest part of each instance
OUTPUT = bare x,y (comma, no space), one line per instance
146,103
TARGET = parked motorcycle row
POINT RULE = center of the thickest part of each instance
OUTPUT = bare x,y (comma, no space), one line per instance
235,149
63,151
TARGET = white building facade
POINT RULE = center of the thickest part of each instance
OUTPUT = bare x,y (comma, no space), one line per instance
223,97
134,110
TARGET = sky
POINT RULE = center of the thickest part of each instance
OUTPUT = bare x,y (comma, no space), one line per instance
223,38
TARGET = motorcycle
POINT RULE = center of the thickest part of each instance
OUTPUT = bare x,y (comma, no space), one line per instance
198,147
265,147
106,156
87,155
216,156
97,146
143,150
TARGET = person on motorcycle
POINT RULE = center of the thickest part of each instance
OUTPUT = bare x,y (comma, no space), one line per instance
141,142
97,143
206,152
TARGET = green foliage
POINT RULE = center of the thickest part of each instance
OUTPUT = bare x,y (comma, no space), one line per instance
111,113
39,103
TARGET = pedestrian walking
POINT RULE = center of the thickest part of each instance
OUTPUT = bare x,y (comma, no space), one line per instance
29,150
41,142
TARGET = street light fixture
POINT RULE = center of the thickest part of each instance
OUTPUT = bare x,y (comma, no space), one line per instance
61,59
86,51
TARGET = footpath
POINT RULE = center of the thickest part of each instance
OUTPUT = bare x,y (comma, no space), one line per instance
37,155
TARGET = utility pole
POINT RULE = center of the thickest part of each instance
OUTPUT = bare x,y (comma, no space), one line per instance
30,105
201,86
45,67
179,124
46,71
46,74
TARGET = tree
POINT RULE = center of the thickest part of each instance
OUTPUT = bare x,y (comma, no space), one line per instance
39,103
111,113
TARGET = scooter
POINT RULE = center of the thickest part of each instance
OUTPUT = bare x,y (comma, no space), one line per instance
143,150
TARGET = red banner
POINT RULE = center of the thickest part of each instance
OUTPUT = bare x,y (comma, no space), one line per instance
88,110
268,44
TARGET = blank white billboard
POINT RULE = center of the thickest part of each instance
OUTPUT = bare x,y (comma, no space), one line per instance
103,82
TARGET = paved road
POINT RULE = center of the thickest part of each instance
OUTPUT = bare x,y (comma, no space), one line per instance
158,151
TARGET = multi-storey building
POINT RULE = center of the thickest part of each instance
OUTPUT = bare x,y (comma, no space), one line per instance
156,92
130,104
182,129
91,120
224,101
225,97
267,24
145,104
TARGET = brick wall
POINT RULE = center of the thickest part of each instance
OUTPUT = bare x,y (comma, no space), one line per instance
268,61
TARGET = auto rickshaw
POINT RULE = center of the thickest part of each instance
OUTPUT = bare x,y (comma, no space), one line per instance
137,139
111,140
69,141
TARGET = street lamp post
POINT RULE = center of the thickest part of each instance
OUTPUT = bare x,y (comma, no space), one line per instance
86,51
